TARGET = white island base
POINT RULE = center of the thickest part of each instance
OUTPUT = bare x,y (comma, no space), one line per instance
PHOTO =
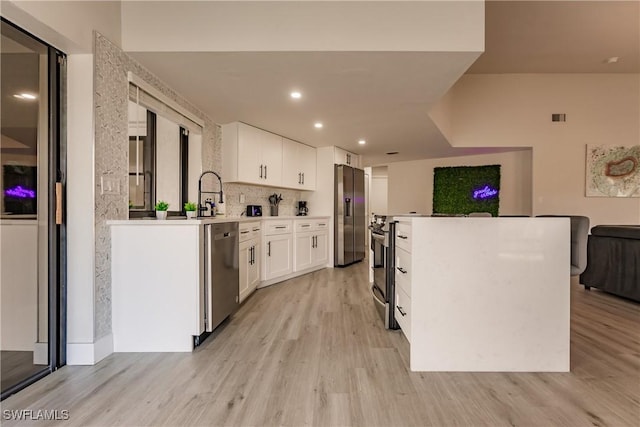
484,294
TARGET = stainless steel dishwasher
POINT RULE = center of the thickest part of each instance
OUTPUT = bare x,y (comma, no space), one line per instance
222,275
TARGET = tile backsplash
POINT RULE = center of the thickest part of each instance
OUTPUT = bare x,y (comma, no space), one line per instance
255,195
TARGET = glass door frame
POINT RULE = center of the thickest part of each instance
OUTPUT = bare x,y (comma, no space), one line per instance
56,215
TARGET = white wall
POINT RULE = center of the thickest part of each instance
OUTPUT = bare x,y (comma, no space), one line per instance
80,202
455,26
515,110
67,25
378,200
411,183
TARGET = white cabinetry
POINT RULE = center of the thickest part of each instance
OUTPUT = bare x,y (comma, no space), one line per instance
344,157
310,245
277,249
402,309
249,258
251,155
484,294
158,289
298,165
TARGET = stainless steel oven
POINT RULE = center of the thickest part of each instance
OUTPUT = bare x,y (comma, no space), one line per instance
383,288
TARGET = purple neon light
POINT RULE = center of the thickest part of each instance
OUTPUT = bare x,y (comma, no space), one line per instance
485,193
20,193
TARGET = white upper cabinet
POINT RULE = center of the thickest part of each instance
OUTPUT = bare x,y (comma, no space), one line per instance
298,165
344,157
255,156
251,155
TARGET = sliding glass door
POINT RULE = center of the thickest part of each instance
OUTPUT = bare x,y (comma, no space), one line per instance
31,240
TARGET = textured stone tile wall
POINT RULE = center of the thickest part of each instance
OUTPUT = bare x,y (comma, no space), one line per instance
111,160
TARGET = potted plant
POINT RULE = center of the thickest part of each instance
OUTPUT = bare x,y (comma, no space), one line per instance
161,209
190,209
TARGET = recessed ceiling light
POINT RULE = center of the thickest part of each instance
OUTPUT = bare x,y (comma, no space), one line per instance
362,142
612,60
296,95
25,95
318,125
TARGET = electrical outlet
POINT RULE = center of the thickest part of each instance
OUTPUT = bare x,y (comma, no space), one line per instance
242,198
109,185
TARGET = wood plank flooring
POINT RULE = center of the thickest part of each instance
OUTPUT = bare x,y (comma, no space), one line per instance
312,351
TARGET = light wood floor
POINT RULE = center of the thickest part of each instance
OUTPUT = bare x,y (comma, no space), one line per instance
312,351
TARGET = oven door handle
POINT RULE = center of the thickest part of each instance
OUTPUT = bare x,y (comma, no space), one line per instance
373,291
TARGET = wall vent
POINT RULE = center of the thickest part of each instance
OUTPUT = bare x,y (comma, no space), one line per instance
558,117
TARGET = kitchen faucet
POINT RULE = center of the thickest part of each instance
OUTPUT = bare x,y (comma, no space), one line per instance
200,192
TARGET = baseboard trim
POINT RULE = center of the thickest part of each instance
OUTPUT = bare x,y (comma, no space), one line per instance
275,280
89,353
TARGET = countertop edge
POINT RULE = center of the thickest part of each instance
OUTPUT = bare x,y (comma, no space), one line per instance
201,221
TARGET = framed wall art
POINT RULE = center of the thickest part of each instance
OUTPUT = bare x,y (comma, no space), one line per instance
613,171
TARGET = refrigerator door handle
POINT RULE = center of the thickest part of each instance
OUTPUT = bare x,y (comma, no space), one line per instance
347,207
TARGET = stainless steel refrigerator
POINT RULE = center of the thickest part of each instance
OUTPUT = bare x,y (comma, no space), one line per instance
350,216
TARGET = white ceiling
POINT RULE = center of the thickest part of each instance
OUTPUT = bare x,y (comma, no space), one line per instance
385,97
382,97
560,37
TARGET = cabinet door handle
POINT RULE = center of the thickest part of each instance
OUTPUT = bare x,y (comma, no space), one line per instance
244,232
253,255
279,227
400,236
265,171
302,177
401,310
268,248
402,270
305,225
260,171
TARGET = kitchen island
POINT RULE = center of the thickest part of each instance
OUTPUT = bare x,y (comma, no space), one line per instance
484,294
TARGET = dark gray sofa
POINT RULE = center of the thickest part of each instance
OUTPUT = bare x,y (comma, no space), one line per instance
613,260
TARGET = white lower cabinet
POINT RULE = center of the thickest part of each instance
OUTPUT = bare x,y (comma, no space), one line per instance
311,244
304,251
277,255
249,258
249,261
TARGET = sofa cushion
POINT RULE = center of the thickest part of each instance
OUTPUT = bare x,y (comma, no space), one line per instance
621,231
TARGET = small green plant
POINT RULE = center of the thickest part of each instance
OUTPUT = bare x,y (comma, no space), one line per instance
162,205
190,207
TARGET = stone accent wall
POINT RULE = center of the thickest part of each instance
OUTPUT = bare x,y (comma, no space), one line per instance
111,161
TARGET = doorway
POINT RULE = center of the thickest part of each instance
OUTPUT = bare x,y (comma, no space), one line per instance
32,230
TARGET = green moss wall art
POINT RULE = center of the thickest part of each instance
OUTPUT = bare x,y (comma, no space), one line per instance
465,189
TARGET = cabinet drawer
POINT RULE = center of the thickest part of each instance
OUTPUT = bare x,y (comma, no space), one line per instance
244,231
256,228
403,270
403,236
402,311
322,224
277,227
304,225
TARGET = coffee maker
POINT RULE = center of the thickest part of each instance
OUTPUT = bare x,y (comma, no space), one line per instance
302,209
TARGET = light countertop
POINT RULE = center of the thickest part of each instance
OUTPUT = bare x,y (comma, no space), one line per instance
180,220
